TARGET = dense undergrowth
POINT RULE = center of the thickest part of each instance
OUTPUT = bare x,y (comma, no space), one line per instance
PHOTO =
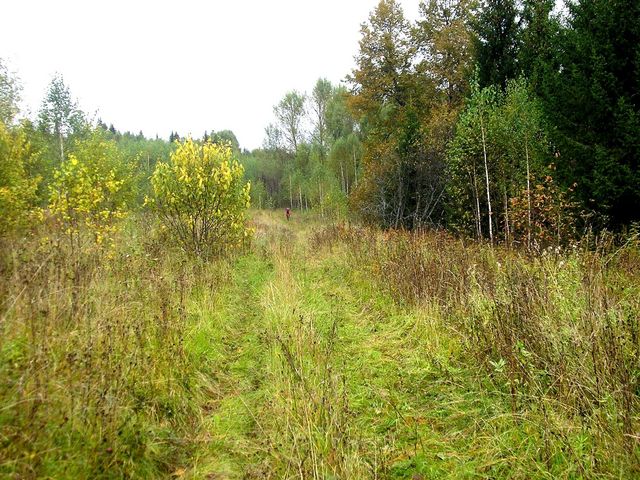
554,334
98,378
322,351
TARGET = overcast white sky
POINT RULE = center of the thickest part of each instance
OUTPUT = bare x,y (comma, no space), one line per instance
186,65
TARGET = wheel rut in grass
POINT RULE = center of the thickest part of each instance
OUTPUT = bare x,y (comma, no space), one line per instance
316,373
232,375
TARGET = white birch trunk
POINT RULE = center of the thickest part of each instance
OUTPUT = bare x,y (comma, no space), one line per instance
486,174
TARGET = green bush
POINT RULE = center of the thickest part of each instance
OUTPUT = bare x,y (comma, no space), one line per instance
17,190
202,198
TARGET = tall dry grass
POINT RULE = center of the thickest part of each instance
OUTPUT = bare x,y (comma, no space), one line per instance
557,332
95,379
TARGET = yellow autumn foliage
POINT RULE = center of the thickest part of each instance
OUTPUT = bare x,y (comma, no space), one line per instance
201,197
90,191
17,189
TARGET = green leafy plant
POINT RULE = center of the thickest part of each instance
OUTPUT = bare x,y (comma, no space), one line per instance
91,190
17,189
202,198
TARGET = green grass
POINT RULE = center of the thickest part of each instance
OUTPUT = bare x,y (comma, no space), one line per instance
327,352
229,326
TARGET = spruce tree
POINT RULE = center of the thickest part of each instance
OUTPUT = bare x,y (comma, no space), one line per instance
596,105
497,29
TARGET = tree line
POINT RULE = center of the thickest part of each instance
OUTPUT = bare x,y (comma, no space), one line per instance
515,121
311,154
84,177
502,119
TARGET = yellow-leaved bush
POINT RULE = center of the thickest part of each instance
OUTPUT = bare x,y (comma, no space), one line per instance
17,189
91,190
202,198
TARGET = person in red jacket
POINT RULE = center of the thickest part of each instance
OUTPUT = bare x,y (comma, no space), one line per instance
287,212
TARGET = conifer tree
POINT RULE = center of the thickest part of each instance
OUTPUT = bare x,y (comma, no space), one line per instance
596,106
497,43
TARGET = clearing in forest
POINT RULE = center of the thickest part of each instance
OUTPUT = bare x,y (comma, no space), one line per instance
320,372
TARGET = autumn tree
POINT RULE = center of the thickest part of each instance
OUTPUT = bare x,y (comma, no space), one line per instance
59,115
382,77
445,41
10,88
91,192
201,197
289,113
381,94
17,187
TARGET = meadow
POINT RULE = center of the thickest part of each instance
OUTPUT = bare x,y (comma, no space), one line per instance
456,295
320,350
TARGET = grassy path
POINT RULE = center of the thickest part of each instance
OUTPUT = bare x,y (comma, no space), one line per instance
292,361
314,373
311,374
228,336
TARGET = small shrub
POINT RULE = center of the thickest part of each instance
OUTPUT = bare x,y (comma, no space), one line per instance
17,190
91,190
202,198
544,216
